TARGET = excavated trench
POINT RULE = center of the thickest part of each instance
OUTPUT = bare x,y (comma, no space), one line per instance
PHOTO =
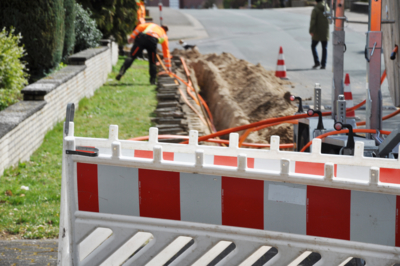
238,93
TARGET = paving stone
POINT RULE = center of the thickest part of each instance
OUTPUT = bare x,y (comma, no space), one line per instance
168,104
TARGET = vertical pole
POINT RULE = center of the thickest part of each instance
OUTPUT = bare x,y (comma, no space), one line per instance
249,3
338,42
160,7
374,48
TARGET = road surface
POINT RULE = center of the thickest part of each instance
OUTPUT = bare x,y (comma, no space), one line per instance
256,35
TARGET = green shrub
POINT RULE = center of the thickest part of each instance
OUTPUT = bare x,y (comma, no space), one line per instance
69,40
86,33
41,22
115,18
12,71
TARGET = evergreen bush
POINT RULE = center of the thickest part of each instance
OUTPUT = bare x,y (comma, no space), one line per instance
41,22
69,40
115,18
86,33
12,70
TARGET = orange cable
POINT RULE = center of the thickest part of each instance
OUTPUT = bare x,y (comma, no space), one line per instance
191,86
248,131
384,132
183,96
201,98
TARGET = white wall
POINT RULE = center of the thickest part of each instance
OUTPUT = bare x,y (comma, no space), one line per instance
19,143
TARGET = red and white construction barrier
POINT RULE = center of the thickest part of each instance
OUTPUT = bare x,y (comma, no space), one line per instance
258,204
168,195
281,67
348,96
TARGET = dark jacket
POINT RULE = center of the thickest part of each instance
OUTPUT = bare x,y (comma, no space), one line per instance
319,24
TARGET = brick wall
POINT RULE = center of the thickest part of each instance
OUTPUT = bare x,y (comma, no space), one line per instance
24,124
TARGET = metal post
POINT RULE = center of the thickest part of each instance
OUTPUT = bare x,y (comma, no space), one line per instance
249,3
338,42
317,97
160,7
373,56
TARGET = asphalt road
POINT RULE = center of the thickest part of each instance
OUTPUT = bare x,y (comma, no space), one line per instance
256,35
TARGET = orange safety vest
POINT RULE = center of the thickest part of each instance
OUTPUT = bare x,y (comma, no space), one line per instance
141,12
157,32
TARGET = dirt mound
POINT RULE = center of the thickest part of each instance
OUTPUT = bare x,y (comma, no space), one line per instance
240,93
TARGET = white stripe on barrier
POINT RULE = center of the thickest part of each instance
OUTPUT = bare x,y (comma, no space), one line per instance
94,240
200,198
373,218
255,256
127,249
164,256
184,157
118,190
300,258
285,207
207,258
267,164
353,172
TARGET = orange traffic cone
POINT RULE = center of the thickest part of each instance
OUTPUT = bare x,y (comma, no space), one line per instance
281,68
348,96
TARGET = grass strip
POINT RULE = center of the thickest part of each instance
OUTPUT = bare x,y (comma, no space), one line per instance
34,213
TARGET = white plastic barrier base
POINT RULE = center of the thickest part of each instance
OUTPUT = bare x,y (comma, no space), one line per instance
168,204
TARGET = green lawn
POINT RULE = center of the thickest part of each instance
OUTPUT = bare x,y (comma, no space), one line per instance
34,213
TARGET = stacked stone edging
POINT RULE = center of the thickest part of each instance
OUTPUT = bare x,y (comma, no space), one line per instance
24,124
169,116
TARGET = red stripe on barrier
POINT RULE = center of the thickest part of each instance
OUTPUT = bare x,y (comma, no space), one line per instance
310,168
231,161
242,202
388,175
225,160
168,156
397,243
281,62
335,170
88,192
250,162
144,154
159,195
328,212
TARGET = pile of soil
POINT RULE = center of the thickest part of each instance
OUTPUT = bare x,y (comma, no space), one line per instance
238,93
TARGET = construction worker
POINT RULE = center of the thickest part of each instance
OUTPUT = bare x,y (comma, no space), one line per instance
146,36
319,31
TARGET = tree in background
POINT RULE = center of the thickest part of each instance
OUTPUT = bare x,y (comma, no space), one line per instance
41,23
69,40
86,33
115,18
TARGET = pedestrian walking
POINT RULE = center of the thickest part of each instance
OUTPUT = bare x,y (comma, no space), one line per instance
319,31
146,36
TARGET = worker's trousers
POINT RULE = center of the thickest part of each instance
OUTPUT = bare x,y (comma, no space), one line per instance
143,41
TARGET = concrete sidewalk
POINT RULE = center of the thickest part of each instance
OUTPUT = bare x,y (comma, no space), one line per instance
28,252
181,25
